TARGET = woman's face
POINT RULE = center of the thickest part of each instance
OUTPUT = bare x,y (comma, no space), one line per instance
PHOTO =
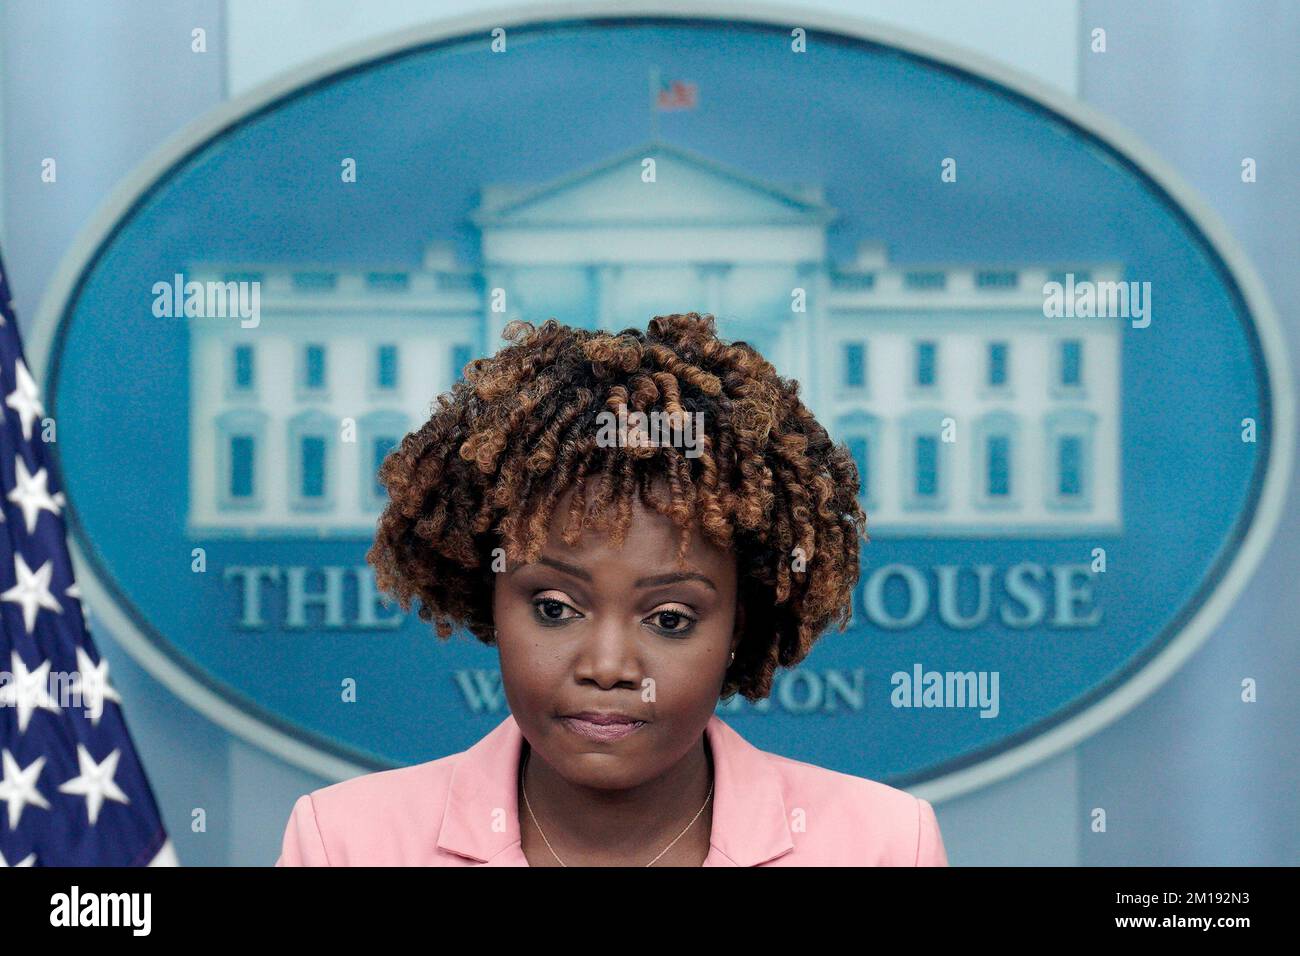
601,629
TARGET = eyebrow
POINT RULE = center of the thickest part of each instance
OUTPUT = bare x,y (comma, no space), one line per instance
653,580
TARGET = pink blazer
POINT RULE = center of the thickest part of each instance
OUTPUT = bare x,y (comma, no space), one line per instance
461,810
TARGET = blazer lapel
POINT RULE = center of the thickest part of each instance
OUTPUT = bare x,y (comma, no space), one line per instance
481,820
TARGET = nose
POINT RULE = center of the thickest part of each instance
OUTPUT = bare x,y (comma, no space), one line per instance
610,656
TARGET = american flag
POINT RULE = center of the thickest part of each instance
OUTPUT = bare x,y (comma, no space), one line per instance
674,94
72,791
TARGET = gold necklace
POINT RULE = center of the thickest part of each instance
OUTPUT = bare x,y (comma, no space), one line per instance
523,787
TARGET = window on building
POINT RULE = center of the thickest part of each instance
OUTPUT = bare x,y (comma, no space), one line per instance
997,363
855,364
312,458
240,434
854,280
1069,456
925,358
314,366
998,452
242,461
386,366
388,281
996,279
244,371
927,466
313,453
1071,362
1069,466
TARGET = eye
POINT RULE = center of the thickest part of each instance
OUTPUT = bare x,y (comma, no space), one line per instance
549,611
669,620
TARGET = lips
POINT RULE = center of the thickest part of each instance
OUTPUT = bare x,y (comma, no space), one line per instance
602,727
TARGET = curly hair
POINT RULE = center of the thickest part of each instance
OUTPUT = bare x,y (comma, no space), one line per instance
520,428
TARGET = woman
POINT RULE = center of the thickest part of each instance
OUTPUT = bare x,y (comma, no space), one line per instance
630,570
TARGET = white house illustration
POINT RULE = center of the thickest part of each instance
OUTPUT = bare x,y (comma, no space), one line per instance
969,412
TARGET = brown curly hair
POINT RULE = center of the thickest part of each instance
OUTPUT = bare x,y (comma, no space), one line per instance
500,449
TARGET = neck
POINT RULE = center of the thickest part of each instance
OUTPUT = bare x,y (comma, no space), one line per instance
634,823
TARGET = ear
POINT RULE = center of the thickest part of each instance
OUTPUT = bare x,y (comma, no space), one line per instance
740,625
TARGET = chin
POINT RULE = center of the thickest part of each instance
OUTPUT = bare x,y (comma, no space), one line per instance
602,771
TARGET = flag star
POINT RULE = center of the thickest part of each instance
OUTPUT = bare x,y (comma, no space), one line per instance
95,688
73,591
27,690
32,589
30,858
30,493
25,399
95,782
18,787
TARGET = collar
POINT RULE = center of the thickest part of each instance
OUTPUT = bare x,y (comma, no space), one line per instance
750,822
